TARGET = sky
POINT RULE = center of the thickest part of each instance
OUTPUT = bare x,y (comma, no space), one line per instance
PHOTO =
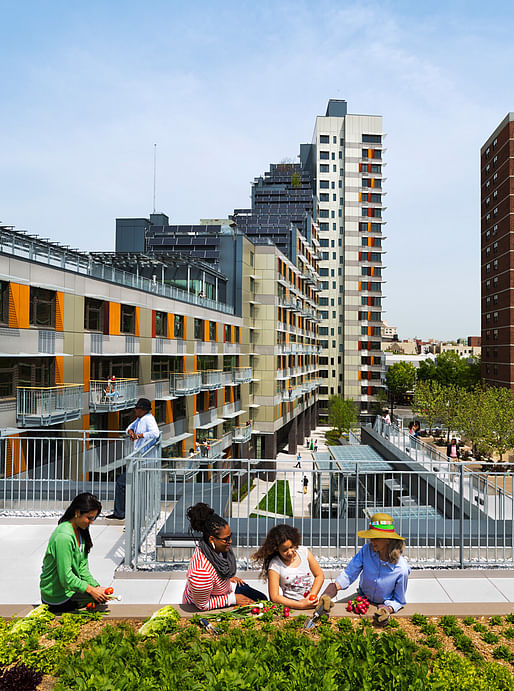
226,88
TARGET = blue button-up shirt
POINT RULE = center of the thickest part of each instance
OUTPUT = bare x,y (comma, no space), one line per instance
380,581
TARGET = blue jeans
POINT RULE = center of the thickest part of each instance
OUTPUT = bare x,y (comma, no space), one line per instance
250,592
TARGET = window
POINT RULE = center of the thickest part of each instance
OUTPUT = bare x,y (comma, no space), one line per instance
198,329
324,156
236,334
324,184
93,314
4,302
324,168
375,168
323,213
179,326
324,197
226,333
160,412
161,324
324,139
128,319
160,368
324,226
372,138
212,331
42,307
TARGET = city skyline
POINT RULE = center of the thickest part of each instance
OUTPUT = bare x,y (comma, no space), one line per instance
223,93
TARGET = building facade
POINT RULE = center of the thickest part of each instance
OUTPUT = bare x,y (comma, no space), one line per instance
346,160
497,254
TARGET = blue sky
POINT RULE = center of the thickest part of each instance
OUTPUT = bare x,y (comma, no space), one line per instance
226,88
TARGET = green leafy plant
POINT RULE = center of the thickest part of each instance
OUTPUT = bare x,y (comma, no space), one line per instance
490,637
479,628
502,652
469,621
495,621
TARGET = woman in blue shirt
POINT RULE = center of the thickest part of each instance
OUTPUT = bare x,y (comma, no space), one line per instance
383,571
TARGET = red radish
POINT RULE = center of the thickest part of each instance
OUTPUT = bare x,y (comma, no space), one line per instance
359,598
273,607
286,609
256,610
349,608
264,609
286,614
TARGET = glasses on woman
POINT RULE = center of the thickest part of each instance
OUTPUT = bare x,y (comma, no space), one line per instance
226,540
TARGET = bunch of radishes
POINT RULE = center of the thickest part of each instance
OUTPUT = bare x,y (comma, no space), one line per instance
358,606
261,608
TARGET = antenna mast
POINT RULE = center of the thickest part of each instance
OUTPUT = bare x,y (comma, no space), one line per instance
154,172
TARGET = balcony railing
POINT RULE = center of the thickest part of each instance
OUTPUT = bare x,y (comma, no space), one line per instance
109,396
226,439
212,379
51,405
242,433
211,448
242,375
185,384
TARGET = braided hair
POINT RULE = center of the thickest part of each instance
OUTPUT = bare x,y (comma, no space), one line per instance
205,520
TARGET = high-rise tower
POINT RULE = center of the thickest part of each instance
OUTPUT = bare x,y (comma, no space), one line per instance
346,160
497,260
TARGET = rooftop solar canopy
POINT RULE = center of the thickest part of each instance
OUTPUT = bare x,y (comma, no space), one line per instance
354,452
346,458
404,513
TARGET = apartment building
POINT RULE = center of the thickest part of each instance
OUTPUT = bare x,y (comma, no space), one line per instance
275,294
70,323
346,161
497,254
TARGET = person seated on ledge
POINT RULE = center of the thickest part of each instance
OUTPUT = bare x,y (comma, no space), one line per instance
65,582
212,569
384,573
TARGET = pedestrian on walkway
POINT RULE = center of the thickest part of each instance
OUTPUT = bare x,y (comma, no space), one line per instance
143,432
308,445
305,484
312,445
298,459
316,445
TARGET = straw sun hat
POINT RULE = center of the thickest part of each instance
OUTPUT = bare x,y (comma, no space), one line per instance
381,525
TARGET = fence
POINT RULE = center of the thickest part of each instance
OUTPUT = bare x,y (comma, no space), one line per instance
48,405
444,523
40,473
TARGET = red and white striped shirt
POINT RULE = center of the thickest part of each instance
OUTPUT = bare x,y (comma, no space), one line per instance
204,588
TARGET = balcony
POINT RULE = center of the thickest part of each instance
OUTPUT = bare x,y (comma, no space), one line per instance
228,379
242,375
185,384
226,440
109,396
211,380
211,448
50,405
242,433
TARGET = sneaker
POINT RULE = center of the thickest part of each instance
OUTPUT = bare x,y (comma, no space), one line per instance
115,517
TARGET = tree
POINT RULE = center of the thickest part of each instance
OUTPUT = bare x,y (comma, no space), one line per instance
342,414
499,410
449,368
400,378
474,419
428,401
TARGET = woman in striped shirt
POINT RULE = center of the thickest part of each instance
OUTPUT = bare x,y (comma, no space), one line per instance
211,575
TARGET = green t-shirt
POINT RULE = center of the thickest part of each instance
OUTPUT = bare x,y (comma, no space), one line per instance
65,567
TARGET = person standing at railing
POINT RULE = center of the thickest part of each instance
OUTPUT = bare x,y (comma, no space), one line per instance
211,575
65,581
110,391
452,451
384,572
143,432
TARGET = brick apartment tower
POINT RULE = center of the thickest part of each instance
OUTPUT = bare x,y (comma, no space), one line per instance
497,254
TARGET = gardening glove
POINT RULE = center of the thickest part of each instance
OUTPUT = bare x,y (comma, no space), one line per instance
327,603
381,616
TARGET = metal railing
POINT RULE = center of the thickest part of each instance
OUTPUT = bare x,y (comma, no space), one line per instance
45,473
242,433
186,384
108,396
48,405
212,379
442,526
242,375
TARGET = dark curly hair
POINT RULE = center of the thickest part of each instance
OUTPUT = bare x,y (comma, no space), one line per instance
83,503
269,548
205,520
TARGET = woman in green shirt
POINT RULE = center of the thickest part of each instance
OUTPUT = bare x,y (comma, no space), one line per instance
65,582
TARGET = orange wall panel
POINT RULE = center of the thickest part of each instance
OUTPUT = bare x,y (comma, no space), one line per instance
138,322
59,311
169,412
114,318
206,330
87,371
170,323
19,306
59,362
15,461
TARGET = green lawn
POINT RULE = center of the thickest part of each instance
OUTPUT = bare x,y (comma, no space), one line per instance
278,499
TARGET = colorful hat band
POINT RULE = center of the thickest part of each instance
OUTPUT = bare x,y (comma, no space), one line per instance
382,526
